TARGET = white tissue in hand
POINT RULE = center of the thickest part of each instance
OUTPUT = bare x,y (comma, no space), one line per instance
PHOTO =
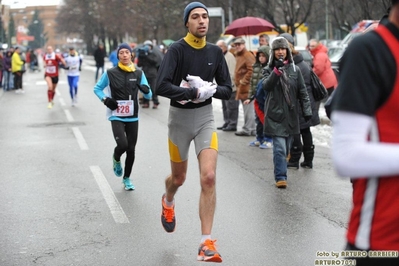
195,81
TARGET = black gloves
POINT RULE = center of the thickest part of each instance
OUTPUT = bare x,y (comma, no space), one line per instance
111,103
307,117
144,89
279,63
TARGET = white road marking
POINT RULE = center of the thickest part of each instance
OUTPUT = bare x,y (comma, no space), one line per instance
79,137
113,204
69,116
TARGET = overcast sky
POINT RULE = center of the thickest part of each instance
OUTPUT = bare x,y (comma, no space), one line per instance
23,3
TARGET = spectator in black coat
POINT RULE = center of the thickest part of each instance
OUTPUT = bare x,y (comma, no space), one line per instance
99,57
149,61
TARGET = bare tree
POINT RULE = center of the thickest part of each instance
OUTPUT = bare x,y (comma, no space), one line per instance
347,13
292,13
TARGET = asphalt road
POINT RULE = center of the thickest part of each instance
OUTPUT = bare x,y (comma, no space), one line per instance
60,203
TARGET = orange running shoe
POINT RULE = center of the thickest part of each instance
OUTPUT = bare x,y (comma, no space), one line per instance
207,252
168,218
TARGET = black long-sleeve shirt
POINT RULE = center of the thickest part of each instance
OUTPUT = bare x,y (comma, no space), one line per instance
182,60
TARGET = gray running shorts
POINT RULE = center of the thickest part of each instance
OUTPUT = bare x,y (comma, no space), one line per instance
186,125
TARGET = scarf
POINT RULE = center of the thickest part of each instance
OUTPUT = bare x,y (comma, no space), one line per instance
285,86
195,42
129,68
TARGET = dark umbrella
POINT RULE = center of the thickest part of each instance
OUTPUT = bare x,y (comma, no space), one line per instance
248,26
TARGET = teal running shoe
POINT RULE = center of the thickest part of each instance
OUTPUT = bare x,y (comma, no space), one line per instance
128,184
117,167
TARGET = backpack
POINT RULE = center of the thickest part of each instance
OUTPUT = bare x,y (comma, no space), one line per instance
318,90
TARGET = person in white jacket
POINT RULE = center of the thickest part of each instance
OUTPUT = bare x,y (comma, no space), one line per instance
74,66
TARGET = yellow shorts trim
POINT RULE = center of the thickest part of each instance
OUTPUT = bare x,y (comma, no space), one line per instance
174,152
214,142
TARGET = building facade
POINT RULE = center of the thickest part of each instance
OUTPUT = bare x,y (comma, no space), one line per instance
23,17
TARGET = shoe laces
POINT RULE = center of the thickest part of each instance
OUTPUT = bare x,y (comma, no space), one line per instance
169,214
209,244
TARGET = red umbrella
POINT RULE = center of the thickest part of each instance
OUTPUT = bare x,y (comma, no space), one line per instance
248,26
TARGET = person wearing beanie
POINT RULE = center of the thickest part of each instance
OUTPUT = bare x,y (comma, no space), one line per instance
74,66
118,89
190,7
186,77
285,88
365,140
303,142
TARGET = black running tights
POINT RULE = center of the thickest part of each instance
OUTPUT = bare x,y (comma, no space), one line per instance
125,135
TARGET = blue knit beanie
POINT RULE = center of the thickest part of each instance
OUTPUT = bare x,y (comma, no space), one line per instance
124,46
190,7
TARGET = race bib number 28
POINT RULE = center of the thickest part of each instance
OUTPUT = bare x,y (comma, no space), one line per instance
125,108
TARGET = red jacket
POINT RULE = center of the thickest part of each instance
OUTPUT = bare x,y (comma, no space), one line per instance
322,66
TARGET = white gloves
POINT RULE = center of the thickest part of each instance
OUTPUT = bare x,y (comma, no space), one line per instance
206,91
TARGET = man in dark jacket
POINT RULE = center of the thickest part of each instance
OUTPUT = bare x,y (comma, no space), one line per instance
99,56
149,61
284,85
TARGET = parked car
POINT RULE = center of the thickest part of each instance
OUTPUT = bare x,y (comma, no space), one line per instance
332,50
330,42
360,28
